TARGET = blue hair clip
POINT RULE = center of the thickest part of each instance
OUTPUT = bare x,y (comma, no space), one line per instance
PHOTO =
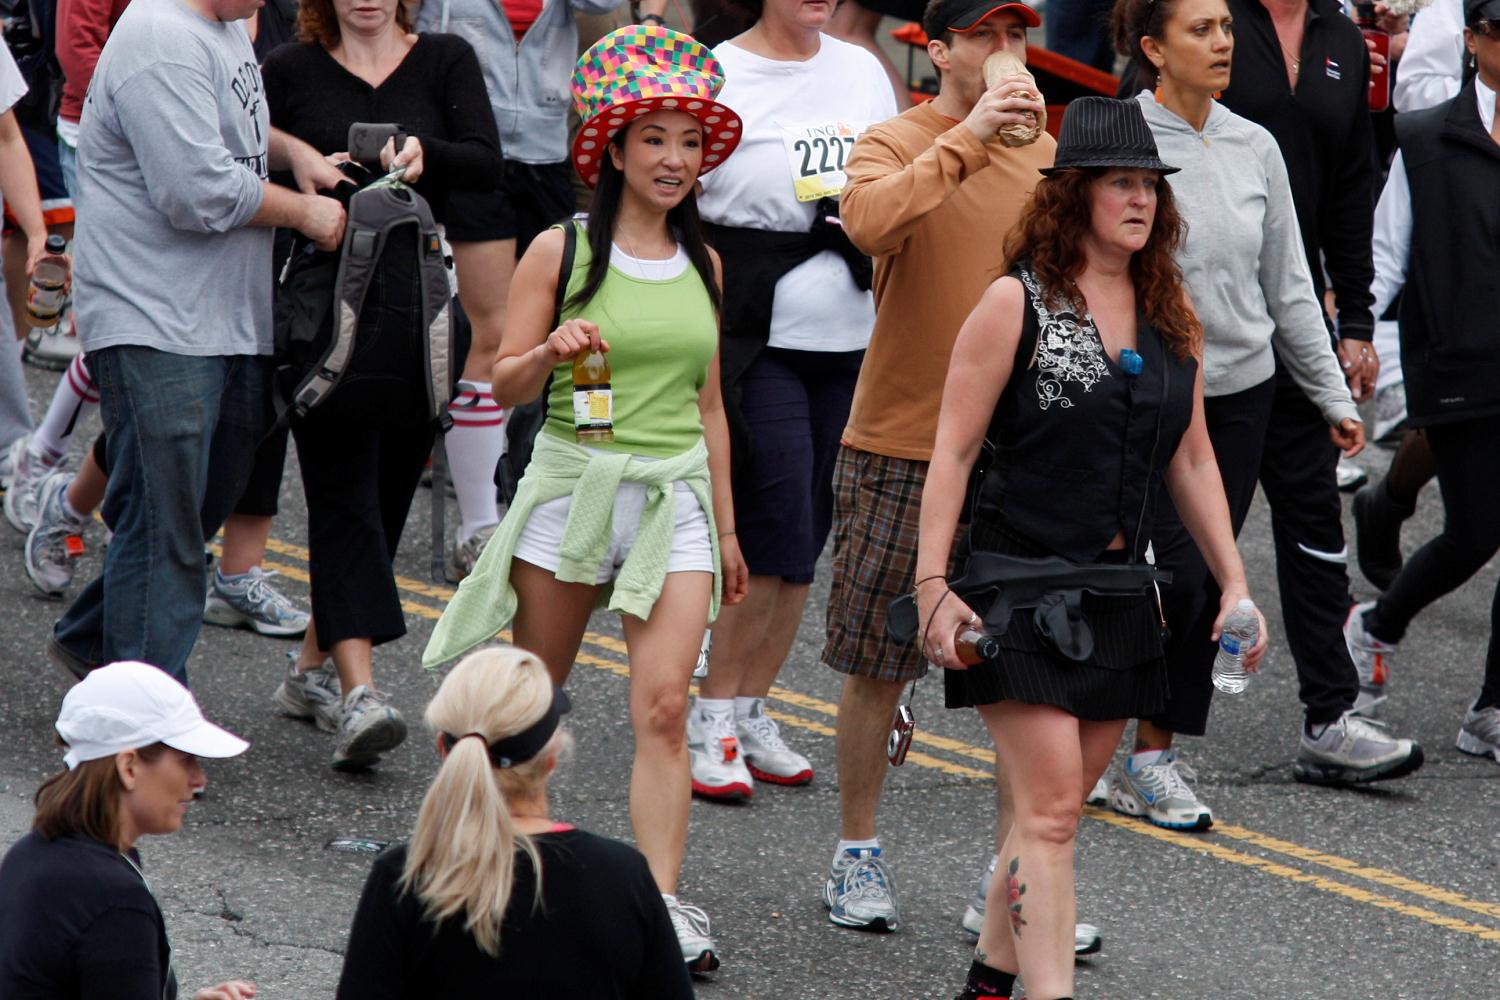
1131,362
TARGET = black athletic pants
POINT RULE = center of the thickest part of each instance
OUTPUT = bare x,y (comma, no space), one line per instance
1469,476
1270,433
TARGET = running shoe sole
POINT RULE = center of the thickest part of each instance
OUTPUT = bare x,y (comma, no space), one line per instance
879,925
734,792
365,749
800,778
1471,744
1129,807
222,614
1312,772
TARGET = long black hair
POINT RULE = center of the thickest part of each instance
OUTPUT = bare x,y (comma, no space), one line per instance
682,220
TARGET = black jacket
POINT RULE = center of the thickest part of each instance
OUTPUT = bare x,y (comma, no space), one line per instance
1325,135
1450,340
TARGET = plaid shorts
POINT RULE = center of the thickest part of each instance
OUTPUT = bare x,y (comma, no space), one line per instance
876,502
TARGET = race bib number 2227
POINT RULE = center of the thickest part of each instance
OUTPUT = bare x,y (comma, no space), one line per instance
816,155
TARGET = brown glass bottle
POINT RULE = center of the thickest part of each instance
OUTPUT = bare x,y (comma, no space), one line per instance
593,401
973,646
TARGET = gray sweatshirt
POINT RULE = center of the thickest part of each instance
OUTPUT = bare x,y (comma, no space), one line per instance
171,155
1243,259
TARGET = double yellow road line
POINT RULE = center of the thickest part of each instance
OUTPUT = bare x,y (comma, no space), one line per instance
1237,845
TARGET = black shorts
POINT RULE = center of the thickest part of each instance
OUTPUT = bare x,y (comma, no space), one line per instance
531,197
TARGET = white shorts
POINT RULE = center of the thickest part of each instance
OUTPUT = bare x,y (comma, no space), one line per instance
541,540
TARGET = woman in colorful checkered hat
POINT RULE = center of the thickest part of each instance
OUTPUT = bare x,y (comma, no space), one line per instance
641,521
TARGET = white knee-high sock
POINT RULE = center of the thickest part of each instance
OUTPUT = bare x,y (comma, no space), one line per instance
75,394
474,445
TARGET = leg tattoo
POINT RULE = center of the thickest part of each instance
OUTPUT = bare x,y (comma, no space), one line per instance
1017,890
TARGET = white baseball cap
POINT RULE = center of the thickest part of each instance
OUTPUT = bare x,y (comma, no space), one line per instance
128,705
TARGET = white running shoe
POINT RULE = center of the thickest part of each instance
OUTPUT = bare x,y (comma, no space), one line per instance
1480,733
1372,661
23,496
691,925
1100,795
368,727
55,540
1160,792
311,694
1086,937
719,770
766,754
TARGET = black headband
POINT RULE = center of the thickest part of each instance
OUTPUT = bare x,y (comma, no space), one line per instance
523,746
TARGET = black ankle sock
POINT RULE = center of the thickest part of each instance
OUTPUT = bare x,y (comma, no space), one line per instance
984,981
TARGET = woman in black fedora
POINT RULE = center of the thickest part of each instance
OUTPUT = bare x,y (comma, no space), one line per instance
1081,368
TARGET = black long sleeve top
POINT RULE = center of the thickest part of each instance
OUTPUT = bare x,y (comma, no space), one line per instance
601,933
436,94
1323,128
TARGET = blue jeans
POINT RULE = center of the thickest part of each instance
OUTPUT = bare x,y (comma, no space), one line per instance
181,434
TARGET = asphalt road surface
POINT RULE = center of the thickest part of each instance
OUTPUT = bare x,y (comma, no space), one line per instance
1297,892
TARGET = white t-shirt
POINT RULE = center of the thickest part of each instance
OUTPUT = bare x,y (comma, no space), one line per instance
800,120
12,83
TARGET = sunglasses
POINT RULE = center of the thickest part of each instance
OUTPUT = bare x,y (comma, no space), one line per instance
1489,27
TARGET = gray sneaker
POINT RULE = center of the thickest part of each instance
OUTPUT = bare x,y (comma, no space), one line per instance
249,601
368,727
55,540
23,497
1480,733
1160,792
1372,661
861,892
1353,751
463,555
1086,938
694,937
311,694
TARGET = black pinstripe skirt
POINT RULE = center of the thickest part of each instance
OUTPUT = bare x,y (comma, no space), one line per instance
1124,678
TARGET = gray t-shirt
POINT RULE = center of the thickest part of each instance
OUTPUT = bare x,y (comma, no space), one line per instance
171,158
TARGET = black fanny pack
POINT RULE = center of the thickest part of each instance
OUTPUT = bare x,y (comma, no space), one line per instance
1052,586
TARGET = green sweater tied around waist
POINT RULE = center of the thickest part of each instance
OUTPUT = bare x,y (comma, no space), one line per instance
486,601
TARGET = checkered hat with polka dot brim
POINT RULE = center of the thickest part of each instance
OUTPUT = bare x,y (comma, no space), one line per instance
642,68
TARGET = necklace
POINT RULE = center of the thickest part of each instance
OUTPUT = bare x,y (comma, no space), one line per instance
1292,60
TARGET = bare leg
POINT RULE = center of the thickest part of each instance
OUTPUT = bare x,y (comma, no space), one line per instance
866,709
752,639
86,491
1041,749
663,650
245,538
1149,736
858,25
484,270
352,658
551,616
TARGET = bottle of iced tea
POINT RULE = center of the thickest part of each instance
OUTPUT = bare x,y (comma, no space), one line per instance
593,402
48,292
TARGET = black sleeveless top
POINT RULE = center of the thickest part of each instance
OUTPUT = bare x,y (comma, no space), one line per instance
1080,446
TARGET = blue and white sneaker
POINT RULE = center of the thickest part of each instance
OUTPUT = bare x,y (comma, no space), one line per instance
1158,789
1086,938
249,601
861,891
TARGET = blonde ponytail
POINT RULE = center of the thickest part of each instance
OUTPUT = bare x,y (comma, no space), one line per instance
463,852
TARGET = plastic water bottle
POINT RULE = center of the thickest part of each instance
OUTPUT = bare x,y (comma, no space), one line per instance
1236,638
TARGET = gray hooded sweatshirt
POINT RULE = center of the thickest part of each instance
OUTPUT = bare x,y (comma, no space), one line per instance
1243,260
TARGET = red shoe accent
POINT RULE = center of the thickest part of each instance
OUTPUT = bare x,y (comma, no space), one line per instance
800,778
1381,672
731,748
731,792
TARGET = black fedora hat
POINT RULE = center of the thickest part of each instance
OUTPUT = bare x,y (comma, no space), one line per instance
1103,132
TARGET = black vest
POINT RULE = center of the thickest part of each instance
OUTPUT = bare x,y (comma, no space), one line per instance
1450,307
1081,446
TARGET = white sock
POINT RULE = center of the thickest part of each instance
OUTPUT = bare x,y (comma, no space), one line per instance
1144,758
745,707
855,846
721,708
71,403
67,508
474,445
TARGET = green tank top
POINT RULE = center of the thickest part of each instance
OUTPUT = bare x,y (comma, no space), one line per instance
662,336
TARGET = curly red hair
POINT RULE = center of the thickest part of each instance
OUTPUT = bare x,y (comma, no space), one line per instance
1050,238
317,22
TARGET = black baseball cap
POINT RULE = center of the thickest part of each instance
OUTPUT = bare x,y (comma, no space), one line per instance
965,15
1481,10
